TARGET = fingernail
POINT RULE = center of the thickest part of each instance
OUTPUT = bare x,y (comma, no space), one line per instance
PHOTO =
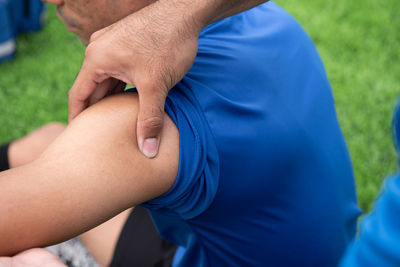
149,148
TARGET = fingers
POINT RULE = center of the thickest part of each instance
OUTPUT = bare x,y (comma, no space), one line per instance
97,78
79,93
150,120
119,87
100,92
84,86
107,87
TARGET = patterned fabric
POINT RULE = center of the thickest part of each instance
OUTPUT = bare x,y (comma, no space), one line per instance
73,253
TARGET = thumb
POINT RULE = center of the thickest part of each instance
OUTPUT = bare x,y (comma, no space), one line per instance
150,120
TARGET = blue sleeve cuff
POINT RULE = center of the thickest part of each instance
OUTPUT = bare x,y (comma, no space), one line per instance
198,174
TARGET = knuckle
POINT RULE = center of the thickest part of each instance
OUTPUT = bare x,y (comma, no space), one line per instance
90,50
152,123
74,95
155,88
93,37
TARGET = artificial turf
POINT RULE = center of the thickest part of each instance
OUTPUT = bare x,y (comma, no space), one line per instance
358,42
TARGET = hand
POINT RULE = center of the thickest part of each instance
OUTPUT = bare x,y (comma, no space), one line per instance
151,49
35,257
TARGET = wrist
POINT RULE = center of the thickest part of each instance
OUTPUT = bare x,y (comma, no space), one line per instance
200,13
193,15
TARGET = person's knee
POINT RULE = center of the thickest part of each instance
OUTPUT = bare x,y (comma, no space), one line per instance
52,129
29,147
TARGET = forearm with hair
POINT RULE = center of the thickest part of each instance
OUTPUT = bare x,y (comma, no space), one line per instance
201,13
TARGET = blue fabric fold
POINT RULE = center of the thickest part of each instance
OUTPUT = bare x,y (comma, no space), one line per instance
198,175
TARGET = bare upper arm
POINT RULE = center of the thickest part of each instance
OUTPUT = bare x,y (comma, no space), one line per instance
92,172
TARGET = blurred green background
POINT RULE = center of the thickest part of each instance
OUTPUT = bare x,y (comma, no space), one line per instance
358,41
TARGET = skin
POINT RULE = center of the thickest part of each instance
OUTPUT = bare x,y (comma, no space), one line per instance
97,153
32,258
149,44
28,148
100,241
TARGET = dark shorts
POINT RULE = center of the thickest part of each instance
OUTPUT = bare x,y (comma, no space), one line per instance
140,245
4,164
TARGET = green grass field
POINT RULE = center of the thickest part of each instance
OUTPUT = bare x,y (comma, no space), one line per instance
358,41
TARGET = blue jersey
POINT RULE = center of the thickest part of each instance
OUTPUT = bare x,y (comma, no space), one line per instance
264,173
379,241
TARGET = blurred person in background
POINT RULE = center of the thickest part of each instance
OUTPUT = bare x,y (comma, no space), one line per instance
18,16
379,241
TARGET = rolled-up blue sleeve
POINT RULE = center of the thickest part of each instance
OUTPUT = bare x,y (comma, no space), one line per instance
198,174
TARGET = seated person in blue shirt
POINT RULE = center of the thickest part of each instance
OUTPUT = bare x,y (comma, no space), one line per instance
253,169
379,240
